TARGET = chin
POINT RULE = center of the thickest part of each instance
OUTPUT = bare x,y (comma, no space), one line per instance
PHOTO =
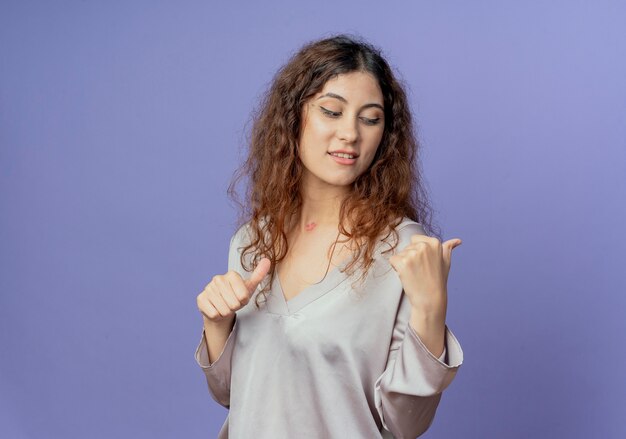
341,182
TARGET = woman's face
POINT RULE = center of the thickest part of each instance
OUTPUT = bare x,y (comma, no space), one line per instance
347,115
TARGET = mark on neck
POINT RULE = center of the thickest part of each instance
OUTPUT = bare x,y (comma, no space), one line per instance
310,226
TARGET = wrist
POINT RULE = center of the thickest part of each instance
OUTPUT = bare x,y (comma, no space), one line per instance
224,323
430,329
430,309
424,320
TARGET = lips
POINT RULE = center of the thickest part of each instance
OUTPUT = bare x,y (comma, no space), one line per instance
342,160
343,151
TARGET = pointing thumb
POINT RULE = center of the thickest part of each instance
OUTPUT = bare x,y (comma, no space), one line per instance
259,273
454,242
449,245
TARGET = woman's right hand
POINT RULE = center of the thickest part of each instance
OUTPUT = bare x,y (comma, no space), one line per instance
229,292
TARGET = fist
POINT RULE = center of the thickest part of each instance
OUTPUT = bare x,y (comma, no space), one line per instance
423,267
229,292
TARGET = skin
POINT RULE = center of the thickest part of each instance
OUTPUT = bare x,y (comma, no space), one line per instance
329,124
346,119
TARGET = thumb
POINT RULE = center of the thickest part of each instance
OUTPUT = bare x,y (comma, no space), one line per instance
448,246
259,273
455,242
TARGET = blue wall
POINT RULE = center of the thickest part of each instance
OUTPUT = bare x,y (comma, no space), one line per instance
120,126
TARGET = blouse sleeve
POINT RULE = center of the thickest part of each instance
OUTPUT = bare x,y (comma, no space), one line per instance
408,392
218,373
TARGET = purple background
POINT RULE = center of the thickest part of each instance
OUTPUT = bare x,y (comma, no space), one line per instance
120,126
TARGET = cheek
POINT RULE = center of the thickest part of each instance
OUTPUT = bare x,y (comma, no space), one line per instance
318,127
373,147
366,163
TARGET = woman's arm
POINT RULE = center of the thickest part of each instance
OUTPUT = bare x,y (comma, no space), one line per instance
214,351
408,392
215,335
217,370
423,359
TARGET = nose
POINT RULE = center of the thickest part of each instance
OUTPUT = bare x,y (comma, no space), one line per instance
348,130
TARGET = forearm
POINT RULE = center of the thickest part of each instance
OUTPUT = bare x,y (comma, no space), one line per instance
431,328
216,334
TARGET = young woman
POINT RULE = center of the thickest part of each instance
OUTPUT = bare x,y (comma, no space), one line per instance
330,322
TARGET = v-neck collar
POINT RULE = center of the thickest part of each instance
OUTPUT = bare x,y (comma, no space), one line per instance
277,303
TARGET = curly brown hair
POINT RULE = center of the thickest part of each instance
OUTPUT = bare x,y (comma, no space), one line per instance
390,189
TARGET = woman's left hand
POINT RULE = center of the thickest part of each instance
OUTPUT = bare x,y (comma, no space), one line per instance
423,268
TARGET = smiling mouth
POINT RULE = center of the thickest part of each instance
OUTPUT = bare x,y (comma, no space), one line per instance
342,160
343,155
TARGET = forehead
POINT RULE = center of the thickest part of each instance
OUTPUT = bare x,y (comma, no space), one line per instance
358,85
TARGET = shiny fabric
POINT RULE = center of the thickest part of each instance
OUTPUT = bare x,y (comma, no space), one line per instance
332,362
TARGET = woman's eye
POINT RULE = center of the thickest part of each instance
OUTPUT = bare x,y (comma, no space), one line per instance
335,114
371,121
330,113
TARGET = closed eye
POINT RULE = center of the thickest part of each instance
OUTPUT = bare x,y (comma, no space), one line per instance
371,121
336,114
330,113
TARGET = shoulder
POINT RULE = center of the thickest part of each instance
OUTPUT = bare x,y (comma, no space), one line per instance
241,238
244,233
240,234
408,228
404,231
407,225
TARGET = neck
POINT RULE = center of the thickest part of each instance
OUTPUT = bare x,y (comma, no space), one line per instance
320,206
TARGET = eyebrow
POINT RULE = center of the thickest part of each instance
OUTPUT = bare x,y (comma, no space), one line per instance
342,99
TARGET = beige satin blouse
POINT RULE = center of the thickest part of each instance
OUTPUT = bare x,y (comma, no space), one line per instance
331,362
